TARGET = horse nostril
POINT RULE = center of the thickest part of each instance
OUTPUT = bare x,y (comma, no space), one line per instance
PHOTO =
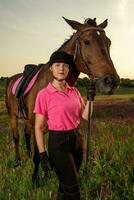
107,84
108,80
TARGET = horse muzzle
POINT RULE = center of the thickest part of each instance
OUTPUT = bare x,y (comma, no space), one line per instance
107,84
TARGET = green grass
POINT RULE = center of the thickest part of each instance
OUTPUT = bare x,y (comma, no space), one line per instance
111,162
111,165
121,92
125,90
110,171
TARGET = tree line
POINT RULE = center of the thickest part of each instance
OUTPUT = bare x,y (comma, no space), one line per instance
82,82
124,82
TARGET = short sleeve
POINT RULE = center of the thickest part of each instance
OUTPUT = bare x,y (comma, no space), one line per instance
40,104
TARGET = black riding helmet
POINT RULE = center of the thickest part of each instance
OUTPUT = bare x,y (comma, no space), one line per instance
61,56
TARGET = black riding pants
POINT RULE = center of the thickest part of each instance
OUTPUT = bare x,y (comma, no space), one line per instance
65,151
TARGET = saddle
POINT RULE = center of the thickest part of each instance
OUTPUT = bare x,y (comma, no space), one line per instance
30,70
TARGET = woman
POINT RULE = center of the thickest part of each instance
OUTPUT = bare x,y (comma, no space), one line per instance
61,107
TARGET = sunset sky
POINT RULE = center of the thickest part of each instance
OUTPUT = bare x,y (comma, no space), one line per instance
30,30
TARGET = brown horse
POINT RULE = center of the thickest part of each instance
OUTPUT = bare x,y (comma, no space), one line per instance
90,48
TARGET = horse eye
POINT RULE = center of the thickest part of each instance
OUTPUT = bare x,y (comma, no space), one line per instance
87,42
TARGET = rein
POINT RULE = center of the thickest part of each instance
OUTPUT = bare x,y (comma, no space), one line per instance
92,85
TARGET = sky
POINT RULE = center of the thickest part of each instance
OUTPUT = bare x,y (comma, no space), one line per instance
30,30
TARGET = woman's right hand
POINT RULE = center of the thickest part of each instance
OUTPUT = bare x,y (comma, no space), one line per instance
90,90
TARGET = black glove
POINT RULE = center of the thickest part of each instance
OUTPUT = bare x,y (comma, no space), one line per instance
45,162
90,90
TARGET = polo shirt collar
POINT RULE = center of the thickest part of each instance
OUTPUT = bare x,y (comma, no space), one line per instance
52,89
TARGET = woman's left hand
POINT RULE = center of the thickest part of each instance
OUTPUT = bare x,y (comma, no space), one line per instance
45,162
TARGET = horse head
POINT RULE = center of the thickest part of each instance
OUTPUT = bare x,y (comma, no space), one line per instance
91,50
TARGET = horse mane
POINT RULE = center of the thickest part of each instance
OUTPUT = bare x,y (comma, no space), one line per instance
91,22
65,42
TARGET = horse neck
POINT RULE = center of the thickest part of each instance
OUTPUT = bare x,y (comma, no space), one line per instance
74,72
69,47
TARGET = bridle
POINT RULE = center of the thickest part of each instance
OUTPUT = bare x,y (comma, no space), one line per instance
77,45
92,82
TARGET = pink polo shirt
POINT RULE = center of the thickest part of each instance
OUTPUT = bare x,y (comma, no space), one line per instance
61,109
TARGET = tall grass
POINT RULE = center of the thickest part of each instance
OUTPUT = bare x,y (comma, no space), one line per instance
110,171
111,162
111,165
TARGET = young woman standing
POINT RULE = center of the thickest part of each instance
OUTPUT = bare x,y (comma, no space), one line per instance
61,107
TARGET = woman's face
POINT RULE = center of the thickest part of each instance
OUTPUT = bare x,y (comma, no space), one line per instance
60,70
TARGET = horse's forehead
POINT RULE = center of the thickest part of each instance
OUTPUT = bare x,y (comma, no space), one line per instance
91,31
91,35
88,34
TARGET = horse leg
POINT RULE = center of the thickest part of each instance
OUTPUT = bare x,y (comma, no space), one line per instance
27,131
14,126
36,160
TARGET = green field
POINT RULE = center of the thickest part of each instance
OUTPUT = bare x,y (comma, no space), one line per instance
110,174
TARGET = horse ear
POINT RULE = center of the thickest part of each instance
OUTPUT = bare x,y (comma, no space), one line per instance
104,24
74,24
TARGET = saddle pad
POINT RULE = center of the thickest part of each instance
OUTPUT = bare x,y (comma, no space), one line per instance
30,85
